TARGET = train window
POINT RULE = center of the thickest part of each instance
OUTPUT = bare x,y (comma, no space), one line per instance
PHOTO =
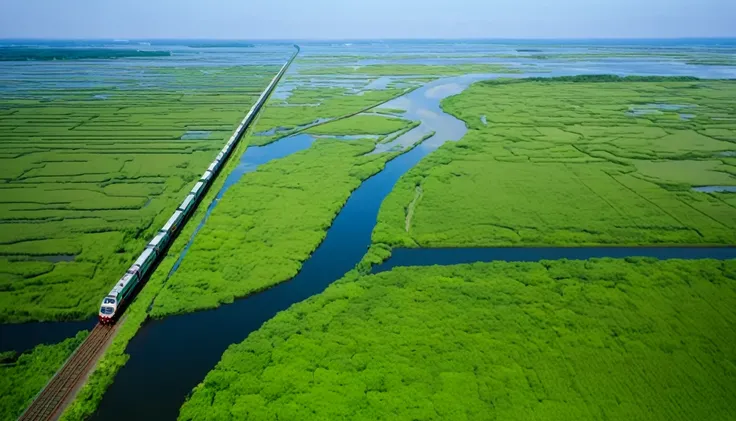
106,310
108,301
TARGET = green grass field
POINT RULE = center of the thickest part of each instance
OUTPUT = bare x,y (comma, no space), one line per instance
569,162
633,339
93,179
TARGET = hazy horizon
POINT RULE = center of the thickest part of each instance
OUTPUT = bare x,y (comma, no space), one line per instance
123,39
379,19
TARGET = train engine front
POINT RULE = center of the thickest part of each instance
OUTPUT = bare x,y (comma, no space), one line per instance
107,310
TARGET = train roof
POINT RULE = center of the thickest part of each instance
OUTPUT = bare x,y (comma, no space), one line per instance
118,288
188,201
197,187
143,257
212,166
157,239
172,220
207,175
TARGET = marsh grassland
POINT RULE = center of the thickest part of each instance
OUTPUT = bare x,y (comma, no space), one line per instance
86,178
575,161
556,340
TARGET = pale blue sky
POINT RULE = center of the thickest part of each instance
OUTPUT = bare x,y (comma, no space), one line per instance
342,19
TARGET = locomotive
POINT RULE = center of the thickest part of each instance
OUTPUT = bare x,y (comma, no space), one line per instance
122,292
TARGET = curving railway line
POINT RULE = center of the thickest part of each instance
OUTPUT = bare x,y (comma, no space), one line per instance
50,402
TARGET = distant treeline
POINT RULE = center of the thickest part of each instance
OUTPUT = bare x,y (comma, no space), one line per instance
25,53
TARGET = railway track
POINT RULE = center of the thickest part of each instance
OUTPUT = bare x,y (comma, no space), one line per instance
57,390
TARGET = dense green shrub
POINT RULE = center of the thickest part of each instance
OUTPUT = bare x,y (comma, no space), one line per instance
25,53
563,340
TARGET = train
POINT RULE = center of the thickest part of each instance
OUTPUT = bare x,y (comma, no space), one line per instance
113,303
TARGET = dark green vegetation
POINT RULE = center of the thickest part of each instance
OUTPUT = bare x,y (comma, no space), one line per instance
21,377
94,178
27,53
571,161
267,224
605,339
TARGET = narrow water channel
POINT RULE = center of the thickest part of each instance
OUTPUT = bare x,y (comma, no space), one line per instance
455,256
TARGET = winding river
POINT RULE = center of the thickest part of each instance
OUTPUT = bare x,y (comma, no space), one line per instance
169,357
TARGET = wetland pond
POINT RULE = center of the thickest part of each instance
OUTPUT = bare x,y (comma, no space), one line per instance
24,336
195,135
715,189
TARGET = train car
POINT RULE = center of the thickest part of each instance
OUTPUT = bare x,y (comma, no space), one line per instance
206,176
144,262
188,204
213,166
220,156
174,222
159,242
198,189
